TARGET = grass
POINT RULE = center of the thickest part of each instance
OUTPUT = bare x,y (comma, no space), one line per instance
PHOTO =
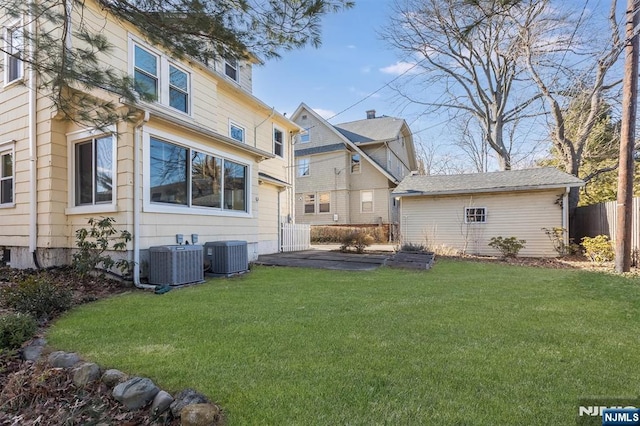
465,343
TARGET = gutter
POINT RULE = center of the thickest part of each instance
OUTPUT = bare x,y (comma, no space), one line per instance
137,143
481,191
33,153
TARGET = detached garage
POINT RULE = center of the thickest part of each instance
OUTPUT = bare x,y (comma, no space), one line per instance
462,213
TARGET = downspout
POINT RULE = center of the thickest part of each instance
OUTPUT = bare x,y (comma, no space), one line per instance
33,151
137,139
565,216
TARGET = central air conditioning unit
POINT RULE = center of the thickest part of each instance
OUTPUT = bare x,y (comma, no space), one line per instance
175,265
226,257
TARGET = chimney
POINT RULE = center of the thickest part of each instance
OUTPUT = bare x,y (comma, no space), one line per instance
371,114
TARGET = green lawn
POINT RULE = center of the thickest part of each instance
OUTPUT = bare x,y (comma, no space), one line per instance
465,343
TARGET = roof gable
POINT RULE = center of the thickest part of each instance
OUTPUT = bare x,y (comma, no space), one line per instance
510,180
372,129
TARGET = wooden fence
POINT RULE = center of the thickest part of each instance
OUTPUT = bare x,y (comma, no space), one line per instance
600,219
295,237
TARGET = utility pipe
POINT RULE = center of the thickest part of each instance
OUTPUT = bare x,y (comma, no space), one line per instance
137,142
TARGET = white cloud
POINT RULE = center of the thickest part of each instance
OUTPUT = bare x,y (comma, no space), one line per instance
324,113
400,68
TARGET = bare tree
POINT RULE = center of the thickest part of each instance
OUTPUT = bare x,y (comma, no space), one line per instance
553,60
470,56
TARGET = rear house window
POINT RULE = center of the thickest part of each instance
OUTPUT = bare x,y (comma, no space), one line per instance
475,214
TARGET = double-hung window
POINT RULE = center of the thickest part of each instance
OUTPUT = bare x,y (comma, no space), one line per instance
303,167
14,51
309,203
278,142
324,202
355,163
6,175
157,79
305,136
94,171
180,175
366,201
231,69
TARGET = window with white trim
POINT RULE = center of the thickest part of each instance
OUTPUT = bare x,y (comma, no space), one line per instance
184,176
305,135
157,78
6,175
475,215
355,163
324,202
94,170
236,132
309,203
303,167
366,201
278,142
14,49
231,69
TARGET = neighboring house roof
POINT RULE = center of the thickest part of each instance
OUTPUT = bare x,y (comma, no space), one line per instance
350,144
320,149
511,180
377,129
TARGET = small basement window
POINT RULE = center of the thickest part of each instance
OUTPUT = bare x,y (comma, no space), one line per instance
475,215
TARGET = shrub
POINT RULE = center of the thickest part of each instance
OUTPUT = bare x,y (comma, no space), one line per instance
508,247
94,242
15,329
556,235
598,248
36,296
356,239
336,234
413,247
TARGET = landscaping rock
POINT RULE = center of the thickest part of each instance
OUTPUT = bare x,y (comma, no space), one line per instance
60,359
135,393
161,403
187,397
200,415
113,377
33,350
85,373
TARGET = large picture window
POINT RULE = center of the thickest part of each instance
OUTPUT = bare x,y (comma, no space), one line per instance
185,176
158,79
94,171
6,177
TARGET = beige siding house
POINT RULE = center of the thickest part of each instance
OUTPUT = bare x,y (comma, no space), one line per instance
212,162
461,213
345,173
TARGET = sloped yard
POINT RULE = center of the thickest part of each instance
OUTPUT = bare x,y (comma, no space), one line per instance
465,343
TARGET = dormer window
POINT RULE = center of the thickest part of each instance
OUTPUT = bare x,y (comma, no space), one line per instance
231,69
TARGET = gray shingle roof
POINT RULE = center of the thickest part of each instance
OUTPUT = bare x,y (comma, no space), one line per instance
319,149
373,129
511,180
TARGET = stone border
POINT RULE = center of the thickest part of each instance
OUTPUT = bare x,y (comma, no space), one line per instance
134,393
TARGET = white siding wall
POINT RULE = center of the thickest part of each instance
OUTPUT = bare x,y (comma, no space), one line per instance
439,221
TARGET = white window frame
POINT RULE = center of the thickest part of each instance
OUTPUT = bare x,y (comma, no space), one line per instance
482,216
164,64
233,124
318,197
236,67
307,162
14,28
81,136
305,135
154,207
275,142
9,148
306,203
362,201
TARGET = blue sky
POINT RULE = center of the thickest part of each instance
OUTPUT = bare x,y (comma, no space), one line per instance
353,62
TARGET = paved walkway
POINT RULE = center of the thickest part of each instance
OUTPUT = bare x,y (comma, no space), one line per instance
323,257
